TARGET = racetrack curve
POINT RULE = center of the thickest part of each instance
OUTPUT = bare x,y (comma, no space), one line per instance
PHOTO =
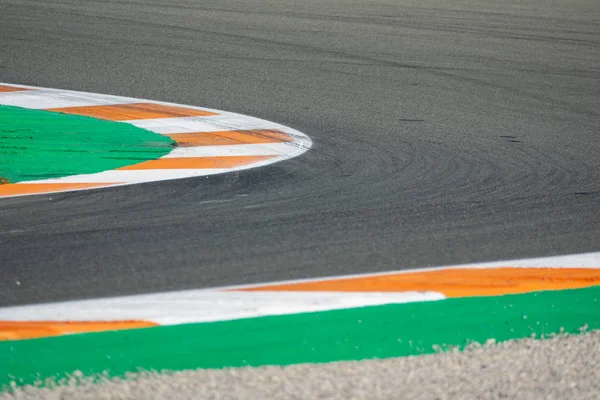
443,133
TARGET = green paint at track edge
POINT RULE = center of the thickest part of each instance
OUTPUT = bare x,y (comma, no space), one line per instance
38,144
352,334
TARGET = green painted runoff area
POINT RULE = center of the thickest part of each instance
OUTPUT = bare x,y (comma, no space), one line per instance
351,334
37,144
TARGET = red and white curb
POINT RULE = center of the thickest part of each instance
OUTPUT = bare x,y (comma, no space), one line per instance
208,141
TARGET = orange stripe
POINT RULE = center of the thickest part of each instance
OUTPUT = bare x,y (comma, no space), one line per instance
126,112
13,330
230,137
6,88
457,282
196,162
36,188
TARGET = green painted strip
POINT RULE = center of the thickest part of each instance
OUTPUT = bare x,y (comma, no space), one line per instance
353,334
37,144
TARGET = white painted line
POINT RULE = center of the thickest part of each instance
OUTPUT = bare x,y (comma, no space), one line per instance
223,122
134,176
276,149
205,306
38,99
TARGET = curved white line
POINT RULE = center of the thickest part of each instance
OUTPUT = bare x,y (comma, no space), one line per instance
45,98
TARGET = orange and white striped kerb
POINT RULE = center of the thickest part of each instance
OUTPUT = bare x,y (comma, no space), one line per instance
293,297
208,141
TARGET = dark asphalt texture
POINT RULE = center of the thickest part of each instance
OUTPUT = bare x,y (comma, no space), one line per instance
444,132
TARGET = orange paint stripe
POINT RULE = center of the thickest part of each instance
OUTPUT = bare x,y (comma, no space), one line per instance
196,162
230,137
35,188
134,111
458,282
13,330
6,88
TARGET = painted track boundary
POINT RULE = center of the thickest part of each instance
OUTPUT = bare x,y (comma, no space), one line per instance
311,295
208,141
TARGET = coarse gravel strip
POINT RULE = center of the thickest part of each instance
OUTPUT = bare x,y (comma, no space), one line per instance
564,367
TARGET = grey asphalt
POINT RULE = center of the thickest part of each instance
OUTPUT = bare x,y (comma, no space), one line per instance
444,132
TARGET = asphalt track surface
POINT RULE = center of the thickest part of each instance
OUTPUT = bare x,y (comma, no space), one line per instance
444,132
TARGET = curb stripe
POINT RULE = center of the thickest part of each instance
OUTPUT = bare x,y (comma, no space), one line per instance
217,123
260,136
40,99
195,162
172,308
457,282
16,330
25,188
132,177
578,261
229,303
133,111
6,89
208,141
266,149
